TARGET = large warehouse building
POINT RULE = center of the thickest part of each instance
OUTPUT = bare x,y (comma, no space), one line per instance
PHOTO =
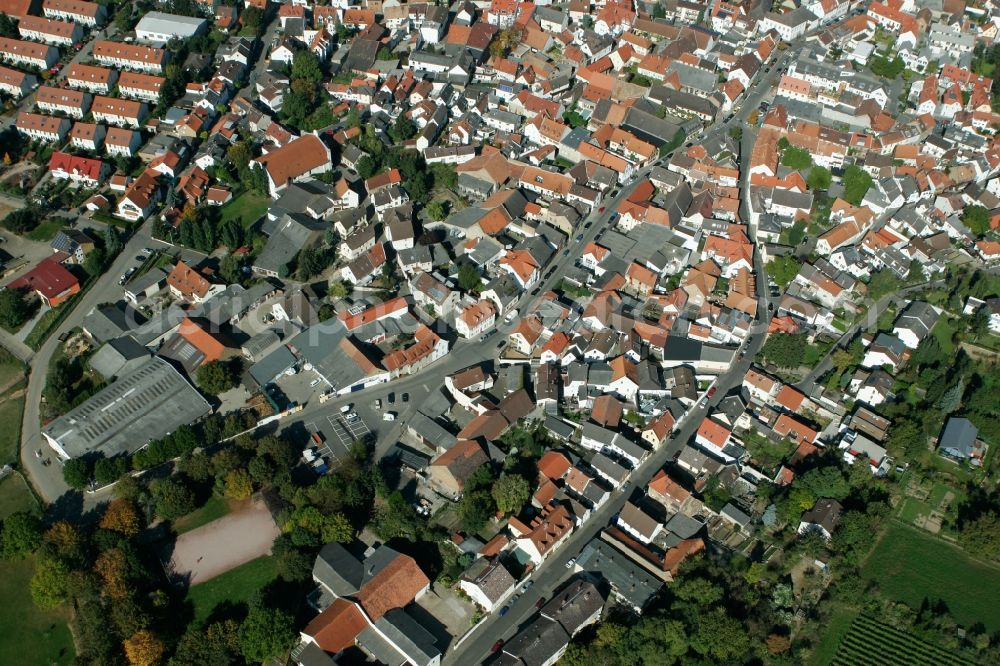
151,401
160,28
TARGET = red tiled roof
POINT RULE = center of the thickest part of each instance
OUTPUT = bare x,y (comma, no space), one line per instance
393,587
336,628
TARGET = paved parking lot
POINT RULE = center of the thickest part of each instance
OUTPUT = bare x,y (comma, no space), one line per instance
338,435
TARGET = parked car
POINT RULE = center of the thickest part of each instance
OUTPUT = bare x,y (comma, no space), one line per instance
376,404
497,646
526,586
406,397
570,563
540,602
389,416
503,611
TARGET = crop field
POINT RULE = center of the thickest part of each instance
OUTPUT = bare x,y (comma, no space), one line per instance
871,642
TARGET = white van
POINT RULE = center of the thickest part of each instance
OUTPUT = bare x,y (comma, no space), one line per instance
345,408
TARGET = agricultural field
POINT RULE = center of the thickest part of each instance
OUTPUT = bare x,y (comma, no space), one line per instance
871,642
910,566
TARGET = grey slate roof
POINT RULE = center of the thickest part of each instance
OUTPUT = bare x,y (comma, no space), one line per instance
145,404
628,580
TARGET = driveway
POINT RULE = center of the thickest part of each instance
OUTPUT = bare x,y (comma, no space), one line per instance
223,544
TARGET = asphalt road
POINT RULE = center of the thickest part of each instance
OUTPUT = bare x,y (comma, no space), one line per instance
47,479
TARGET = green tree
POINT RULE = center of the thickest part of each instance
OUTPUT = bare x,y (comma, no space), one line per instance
981,535
469,278
217,377
977,219
172,498
819,178
856,183
339,290
475,510
736,132
8,28
785,350
437,210
306,66
50,584
828,482
511,492
239,486
14,308
783,269
95,261
77,473
366,167
251,18
402,129
22,534
444,175
266,633
23,220
574,119
719,637
796,158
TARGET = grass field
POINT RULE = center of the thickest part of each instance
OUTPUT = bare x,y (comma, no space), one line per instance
236,586
836,628
28,635
871,642
247,208
909,566
45,231
10,368
943,330
215,507
11,413
15,496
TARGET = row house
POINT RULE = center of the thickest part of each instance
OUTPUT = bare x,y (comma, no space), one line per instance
50,31
122,142
73,103
130,56
99,80
145,87
81,171
42,128
85,13
16,83
122,112
29,54
87,136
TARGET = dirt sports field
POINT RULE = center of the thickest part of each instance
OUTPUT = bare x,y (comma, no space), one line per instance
223,544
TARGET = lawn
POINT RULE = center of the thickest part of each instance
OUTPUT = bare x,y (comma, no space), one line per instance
11,413
235,586
836,628
29,635
909,566
15,496
943,330
45,231
215,507
10,368
247,208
